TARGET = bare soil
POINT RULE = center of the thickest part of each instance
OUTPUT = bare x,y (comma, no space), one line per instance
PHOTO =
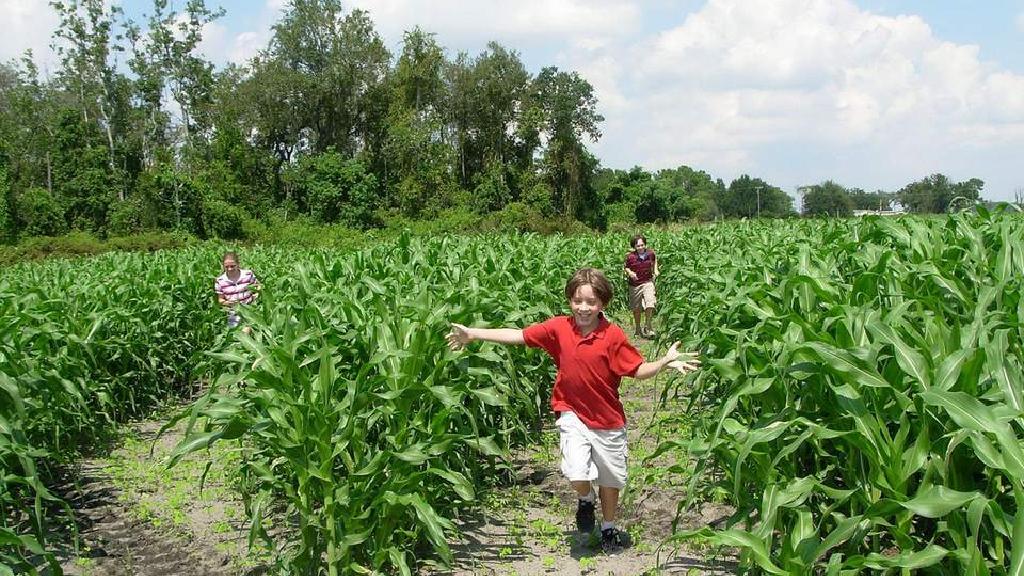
137,517
529,528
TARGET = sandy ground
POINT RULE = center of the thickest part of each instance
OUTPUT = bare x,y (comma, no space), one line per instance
138,517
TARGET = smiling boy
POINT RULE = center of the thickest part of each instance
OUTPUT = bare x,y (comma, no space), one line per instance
592,356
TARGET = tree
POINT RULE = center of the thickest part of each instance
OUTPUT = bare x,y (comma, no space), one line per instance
86,28
566,109
336,189
417,79
499,86
7,229
934,193
416,155
748,197
827,199
173,43
30,111
878,200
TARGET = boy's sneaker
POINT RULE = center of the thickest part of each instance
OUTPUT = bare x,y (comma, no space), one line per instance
613,539
585,516
650,333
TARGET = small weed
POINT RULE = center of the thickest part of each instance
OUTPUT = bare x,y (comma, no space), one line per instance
85,563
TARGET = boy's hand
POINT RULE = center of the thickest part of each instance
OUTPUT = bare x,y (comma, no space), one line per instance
458,336
682,362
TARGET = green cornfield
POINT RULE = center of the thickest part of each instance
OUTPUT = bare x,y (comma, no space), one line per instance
861,405
863,410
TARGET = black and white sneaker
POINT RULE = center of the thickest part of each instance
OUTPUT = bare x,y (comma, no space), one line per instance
613,539
585,516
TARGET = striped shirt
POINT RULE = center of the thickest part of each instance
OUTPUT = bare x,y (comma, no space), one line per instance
236,290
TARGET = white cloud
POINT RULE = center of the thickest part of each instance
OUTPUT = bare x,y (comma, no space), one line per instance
1020,21
221,48
459,23
738,82
221,45
28,24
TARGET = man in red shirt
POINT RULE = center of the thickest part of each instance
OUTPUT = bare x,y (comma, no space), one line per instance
592,356
641,269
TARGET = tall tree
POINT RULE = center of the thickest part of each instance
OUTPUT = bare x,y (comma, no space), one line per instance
344,64
150,123
565,110
934,193
173,44
31,111
418,83
417,155
827,199
86,31
749,197
878,200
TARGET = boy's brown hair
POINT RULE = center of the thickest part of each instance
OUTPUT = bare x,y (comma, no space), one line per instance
597,280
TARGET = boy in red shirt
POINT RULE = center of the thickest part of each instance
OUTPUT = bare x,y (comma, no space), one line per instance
592,356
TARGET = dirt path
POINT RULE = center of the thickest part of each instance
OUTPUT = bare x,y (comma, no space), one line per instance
529,529
138,517
116,542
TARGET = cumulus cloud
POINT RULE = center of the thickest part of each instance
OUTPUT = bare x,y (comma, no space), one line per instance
737,81
221,47
222,44
27,25
460,24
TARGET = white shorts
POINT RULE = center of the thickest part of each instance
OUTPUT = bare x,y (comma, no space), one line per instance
592,455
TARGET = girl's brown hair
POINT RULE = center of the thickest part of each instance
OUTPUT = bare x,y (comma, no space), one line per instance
597,280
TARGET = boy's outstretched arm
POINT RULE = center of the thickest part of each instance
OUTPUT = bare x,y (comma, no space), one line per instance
461,335
681,361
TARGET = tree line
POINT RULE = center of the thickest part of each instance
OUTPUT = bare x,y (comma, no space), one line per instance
136,130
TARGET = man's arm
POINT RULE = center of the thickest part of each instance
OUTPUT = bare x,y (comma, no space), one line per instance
683,362
461,335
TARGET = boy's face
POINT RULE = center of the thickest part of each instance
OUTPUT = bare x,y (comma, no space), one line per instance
230,266
586,307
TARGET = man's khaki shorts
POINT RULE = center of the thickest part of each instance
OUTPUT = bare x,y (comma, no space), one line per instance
642,297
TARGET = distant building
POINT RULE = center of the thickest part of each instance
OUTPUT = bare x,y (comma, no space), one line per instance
876,213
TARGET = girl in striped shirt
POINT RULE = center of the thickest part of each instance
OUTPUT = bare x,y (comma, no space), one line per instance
235,286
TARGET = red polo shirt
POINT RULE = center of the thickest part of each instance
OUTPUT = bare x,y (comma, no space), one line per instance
643,267
590,368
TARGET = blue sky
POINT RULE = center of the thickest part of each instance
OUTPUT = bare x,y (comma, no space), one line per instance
871,93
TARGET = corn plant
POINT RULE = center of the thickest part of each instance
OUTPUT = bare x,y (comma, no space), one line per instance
360,429
867,377
84,345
